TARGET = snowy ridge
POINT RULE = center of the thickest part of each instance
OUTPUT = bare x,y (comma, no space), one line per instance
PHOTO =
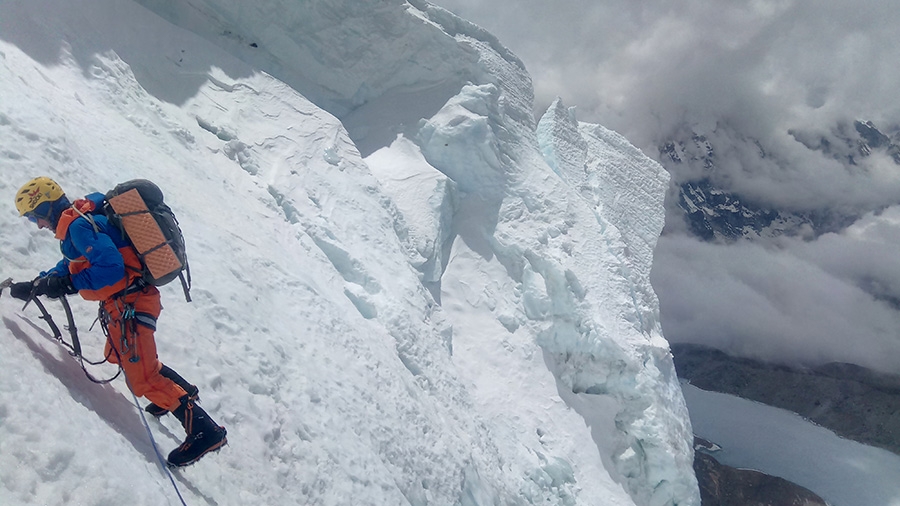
389,309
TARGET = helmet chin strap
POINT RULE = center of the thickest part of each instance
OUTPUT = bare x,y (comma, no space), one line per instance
56,210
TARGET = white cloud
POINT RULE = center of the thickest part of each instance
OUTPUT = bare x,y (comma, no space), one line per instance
637,67
809,303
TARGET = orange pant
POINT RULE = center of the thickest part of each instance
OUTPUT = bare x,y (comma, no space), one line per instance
135,347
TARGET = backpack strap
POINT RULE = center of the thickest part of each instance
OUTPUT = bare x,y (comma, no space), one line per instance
186,284
89,218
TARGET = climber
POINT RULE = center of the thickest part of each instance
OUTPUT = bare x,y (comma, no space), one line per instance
99,263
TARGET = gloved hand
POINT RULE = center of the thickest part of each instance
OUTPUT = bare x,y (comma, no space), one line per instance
54,286
21,290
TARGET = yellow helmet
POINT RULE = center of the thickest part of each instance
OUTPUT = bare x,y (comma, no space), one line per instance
36,192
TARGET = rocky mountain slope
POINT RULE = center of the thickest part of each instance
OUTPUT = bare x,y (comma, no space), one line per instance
854,402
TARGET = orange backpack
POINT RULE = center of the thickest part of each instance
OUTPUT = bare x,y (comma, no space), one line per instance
137,208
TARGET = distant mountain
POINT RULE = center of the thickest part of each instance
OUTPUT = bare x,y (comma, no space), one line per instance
711,210
849,144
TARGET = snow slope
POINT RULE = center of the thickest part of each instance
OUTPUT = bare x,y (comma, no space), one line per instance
442,321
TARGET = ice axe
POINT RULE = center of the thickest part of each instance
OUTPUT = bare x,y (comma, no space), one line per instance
45,315
5,284
75,347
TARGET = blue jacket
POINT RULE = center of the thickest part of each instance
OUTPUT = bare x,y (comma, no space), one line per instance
98,257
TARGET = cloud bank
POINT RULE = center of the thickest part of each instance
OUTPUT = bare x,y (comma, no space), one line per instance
642,68
831,300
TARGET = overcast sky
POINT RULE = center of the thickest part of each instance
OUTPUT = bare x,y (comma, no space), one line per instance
734,69
638,66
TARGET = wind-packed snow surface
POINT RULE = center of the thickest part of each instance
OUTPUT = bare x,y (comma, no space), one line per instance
401,295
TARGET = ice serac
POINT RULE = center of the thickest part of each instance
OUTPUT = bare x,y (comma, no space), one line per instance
626,191
554,323
625,188
559,267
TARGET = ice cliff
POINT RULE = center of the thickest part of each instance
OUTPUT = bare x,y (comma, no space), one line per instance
407,291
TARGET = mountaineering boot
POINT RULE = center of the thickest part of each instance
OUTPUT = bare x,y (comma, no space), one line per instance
191,390
203,434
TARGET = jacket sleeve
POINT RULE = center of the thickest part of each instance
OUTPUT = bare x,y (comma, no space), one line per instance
60,269
106,264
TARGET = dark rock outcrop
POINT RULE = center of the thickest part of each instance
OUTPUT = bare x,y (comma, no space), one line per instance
722,485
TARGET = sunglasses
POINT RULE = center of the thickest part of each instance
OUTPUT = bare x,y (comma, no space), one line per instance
41,212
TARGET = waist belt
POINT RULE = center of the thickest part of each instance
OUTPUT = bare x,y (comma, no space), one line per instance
136,286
